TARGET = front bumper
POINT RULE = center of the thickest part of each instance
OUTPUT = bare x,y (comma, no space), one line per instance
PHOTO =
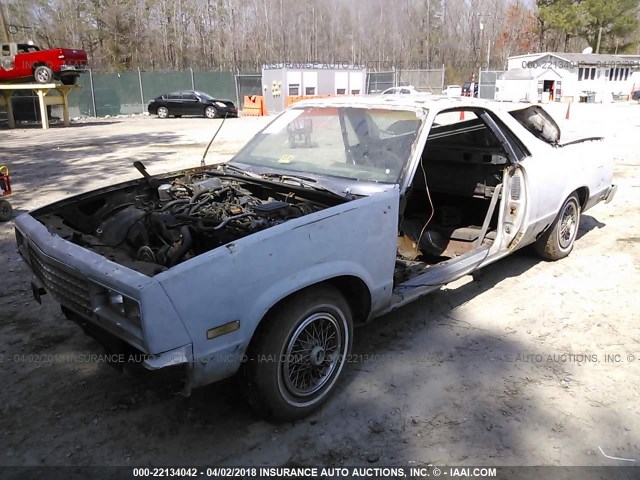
86,283
72,290
228,111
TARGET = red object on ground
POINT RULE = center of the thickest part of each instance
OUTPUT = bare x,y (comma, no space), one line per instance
5,182
25,62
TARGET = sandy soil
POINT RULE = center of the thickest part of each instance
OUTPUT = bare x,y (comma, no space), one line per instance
507,369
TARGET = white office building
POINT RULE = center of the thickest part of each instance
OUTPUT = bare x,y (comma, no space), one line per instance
568,77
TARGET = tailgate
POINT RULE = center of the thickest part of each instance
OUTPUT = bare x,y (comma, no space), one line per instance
69,55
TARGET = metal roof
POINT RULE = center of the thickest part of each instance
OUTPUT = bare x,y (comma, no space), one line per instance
528,74
590,58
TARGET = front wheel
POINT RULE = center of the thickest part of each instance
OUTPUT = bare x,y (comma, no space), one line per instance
297,356
210,112
557,242
163,112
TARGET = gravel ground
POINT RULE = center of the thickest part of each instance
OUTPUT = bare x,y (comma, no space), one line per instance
510,368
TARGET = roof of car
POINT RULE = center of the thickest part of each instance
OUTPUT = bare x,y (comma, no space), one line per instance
181,92
417,100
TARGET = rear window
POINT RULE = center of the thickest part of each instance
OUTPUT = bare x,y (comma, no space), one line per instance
537,121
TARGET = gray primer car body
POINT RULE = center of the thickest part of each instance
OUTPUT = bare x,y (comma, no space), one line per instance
357,240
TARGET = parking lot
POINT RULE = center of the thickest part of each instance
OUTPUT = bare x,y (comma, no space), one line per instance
526,363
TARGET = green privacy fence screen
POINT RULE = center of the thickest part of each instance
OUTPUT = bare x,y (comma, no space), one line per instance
124,93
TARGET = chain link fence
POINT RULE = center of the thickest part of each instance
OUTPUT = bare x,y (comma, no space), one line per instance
378,82
125,93
431,81
487,83
247,85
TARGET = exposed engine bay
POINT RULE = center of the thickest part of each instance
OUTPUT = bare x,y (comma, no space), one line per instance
153,224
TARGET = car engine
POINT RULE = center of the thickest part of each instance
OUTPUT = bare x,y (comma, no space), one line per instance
165,222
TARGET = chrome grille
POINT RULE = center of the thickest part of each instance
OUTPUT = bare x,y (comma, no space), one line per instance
65,286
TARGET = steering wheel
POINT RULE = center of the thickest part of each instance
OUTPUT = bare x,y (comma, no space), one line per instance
390,161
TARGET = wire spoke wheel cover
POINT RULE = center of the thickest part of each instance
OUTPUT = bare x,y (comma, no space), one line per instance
298,354
557,242
568,225
313,354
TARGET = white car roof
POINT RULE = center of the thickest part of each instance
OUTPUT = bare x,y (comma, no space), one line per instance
415,101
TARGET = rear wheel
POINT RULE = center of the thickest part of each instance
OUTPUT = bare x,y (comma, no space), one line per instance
557,242
163,112
69,79
43,74
210,112
6,211
297,356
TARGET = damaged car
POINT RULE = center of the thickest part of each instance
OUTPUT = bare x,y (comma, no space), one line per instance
340,210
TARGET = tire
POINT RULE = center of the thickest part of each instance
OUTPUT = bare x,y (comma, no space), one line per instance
273,385
211,112
557,242
43,74
69,79
162,112
6,211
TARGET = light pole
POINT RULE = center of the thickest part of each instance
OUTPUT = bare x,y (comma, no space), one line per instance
481,16
489,50
489,34
480,56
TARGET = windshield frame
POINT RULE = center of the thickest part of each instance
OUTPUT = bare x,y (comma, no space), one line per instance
204,96
350,185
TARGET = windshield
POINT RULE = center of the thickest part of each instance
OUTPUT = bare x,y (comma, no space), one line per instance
204,96
365,144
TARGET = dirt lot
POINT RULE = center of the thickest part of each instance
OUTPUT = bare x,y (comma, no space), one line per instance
508,369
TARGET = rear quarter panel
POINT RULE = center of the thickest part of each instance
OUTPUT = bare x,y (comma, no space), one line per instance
556,173
553,173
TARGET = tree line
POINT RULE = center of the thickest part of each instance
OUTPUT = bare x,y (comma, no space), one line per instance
241,35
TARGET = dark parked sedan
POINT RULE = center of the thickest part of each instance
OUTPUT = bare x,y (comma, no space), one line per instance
191,103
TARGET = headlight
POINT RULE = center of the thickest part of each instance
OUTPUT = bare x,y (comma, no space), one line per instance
111,302
220,104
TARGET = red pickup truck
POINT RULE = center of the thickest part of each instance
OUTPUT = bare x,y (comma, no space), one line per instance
26,62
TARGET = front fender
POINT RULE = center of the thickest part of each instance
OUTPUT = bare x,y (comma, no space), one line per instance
241,281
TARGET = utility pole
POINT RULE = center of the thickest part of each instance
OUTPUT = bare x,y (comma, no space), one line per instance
491,17
488,52
599,37
5,25
480,56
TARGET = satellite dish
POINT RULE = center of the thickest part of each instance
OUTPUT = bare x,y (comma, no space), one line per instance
587,50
